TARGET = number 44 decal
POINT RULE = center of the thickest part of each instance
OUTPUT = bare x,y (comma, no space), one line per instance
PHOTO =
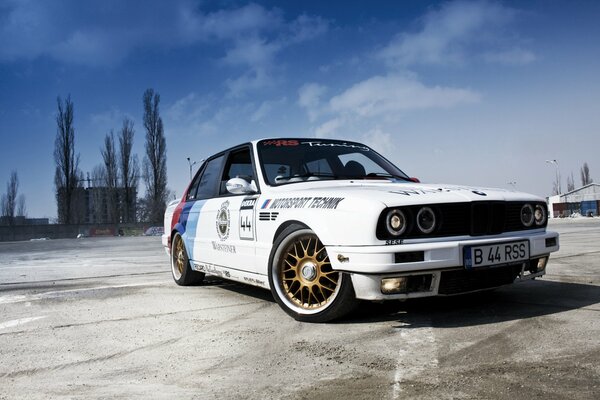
247,224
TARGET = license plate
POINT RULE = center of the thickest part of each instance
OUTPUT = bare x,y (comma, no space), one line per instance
496,254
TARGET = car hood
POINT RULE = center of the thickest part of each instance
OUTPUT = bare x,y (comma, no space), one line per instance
396,193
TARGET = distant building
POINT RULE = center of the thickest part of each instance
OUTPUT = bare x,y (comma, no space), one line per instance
100,209
585,201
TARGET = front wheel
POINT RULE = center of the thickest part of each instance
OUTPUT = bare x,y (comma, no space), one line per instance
183,274
303,281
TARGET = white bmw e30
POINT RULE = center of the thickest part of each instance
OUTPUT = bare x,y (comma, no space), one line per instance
326,223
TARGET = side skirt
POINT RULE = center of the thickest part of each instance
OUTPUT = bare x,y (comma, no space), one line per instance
237,275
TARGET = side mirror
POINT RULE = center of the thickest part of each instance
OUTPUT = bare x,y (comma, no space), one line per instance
415,180
240,186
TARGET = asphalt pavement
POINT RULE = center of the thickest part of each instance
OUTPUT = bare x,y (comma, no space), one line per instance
98,318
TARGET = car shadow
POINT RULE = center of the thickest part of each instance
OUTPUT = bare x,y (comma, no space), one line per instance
240,288
513,302
509,303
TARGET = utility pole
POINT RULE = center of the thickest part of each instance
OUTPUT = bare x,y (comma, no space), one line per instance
555,162
191,163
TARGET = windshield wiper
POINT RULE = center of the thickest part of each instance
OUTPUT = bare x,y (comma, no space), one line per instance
385,175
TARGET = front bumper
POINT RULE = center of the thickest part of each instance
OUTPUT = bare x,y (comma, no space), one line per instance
165,240
439,262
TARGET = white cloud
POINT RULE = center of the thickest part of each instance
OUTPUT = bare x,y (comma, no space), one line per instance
255,52
189,107
451,34
379,140
251,80
330,128
104,34
309,98
515,56
307,27
227,23
266,108
189,115
109,119
94,35
381,95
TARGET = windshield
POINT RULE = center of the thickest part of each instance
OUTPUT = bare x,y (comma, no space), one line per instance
298,160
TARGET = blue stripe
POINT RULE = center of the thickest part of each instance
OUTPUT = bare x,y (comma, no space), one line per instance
467,257
190,222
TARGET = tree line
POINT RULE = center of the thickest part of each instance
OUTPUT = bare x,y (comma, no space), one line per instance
113,183
12,204
586,179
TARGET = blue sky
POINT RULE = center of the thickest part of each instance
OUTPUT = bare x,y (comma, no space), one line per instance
466,92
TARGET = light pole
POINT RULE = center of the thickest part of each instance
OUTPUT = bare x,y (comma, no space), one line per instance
192,163
555,162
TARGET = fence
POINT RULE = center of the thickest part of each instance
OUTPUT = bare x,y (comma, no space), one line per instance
56,231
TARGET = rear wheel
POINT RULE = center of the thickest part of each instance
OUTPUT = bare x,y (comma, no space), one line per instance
182,272
303,281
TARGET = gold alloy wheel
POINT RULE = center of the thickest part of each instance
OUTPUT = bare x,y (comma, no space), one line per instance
306,274
179,255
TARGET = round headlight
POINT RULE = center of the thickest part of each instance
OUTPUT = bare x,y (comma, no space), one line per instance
527,215
426,220
396,222
540,215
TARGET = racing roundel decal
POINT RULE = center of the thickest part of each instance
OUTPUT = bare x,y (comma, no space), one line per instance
223,221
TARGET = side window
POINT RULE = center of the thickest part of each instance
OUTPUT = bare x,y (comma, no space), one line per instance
191,195
238,165
207,186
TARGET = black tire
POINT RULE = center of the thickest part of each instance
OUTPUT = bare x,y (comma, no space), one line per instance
182,272
304,285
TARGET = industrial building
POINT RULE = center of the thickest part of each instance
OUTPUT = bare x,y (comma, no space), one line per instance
585,201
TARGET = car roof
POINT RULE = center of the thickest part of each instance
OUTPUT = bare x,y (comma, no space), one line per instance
314,139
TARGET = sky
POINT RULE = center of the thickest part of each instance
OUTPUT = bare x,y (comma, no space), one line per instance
459,92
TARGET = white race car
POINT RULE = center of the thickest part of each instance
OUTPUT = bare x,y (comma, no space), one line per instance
326,223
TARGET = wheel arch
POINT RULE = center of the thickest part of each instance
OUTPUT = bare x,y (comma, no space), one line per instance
285,225
178,228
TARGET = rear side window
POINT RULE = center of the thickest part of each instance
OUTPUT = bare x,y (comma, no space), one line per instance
191,195
208,184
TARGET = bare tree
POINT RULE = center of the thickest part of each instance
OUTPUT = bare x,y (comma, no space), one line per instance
129,171
9,201
3,209
21,208
570,183
109,156
67,175
585,175
155,161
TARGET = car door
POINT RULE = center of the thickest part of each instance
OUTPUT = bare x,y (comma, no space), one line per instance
229,219
203,191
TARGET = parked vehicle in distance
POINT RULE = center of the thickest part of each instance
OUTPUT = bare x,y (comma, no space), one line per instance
326,223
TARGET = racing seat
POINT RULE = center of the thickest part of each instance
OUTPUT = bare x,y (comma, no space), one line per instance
354,169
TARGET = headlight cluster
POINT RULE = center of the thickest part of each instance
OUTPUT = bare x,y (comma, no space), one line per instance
531,214
398,222
477,218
